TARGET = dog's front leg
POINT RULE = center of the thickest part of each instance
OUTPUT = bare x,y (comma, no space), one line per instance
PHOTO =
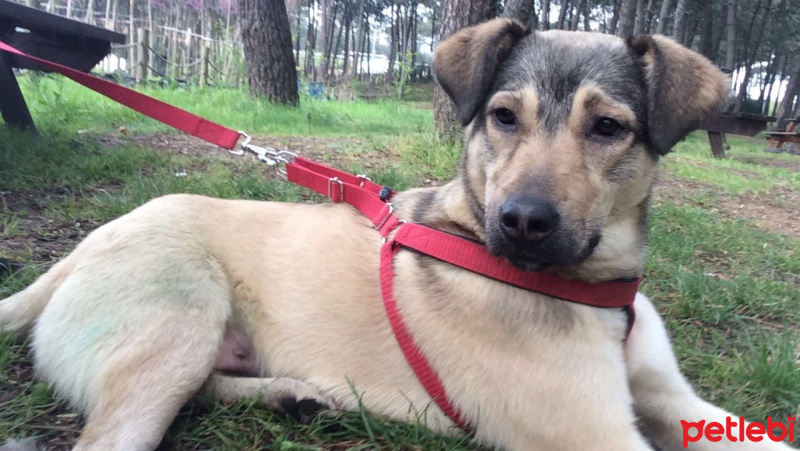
663,398
281,394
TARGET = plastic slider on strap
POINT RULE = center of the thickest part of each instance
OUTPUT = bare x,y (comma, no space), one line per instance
332,195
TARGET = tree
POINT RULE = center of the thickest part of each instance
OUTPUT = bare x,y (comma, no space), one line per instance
679,30
663,17
627,18
456,14
545,21
267,43
730,53
642,14
562,14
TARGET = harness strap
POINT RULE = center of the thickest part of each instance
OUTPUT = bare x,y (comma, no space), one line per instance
416,360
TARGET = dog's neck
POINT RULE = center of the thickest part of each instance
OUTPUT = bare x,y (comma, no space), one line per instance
619,255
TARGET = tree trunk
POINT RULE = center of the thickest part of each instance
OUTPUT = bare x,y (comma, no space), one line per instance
786,108
730,51
562,14
663,17
357,43
347,26
89,17
750,57
545,20
612,28
691,29
297,36
433,27
456,14
587,20
627,18
769,80
131,34
520,10
648,22
267,41
706,47
336,47
576,19
393,42
679,31
325,34
640,24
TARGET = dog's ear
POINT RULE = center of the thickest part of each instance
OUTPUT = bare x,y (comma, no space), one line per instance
684,88
465,63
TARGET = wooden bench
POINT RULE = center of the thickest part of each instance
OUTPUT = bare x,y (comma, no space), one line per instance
776,139
742,124
69,42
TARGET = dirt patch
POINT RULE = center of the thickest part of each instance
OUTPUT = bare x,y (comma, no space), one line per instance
340,152
35,236
776,211
767,161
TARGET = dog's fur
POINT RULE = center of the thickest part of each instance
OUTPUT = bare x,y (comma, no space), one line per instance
143,313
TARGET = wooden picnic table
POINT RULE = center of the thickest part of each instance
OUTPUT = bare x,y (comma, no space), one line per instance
776,138
743,124
74,44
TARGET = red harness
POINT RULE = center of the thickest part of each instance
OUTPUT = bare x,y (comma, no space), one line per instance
367,197
373,201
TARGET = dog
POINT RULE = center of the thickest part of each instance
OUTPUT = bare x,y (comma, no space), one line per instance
563,134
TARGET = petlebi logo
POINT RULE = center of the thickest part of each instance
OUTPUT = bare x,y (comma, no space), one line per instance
738,431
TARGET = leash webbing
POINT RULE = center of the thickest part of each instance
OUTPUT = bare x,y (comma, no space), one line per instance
153,108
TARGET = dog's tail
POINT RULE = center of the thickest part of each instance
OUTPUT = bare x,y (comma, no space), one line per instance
18,312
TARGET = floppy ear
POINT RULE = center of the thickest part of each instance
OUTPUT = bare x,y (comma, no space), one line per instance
465,63
684,88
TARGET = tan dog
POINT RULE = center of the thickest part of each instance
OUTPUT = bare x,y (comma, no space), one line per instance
564,134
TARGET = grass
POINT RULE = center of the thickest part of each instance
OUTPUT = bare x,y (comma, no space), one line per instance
728,290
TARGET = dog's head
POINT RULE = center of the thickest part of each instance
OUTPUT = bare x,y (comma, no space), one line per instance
564,131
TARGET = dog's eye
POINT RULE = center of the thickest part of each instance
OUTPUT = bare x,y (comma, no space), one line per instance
607,127
505,116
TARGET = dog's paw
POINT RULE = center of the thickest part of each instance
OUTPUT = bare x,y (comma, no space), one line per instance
303,410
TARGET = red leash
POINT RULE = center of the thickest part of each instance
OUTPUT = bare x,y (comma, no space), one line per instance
373,201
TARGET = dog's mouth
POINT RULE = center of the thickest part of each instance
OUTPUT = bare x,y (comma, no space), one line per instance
546,255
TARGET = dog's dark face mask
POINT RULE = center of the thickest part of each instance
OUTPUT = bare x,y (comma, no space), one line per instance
564,131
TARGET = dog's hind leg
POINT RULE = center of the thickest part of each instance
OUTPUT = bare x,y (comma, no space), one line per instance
19,311
662,396
281,394
146,381
129,337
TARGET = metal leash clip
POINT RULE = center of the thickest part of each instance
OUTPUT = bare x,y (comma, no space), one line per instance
268,155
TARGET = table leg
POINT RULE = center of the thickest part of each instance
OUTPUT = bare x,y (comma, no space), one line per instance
12,104
715,139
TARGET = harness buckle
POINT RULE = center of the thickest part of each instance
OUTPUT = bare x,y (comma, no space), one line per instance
331,181
388,215
268,155
363,179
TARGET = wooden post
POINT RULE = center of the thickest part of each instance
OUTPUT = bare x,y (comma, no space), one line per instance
715,139
12,104
173,55
144,56
204,52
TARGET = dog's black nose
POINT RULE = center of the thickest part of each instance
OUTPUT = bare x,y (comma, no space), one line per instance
527,220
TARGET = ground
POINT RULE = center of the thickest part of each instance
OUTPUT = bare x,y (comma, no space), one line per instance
723,258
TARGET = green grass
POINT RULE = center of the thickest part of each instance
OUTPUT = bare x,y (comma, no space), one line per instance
58,103
692,160
728,291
